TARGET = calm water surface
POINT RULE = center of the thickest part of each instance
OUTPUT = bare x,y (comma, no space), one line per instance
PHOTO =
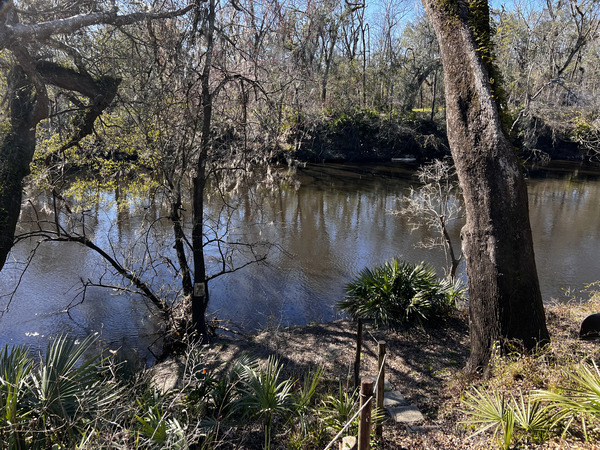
328,227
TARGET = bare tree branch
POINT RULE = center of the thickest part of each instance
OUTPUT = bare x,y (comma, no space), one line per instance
39,32
125,272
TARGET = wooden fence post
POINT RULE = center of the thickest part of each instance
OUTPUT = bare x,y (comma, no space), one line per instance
380,387
364,424
359,335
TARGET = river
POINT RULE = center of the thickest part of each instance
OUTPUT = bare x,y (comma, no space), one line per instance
328,225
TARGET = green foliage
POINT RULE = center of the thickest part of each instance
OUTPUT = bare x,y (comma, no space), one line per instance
494,412
307,428
211,393
490,412
70,401
4,128
120,154
152,423
399,292
15,367
361,119
247,391
263,394
337,410
60,382
541,413
69,390
580,400
84,191
155,424
303,399
531,417
586,132
524,419
55,400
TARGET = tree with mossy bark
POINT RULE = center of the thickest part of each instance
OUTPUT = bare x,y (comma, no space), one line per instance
504,295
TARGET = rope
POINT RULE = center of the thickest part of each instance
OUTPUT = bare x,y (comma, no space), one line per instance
379,374
337,436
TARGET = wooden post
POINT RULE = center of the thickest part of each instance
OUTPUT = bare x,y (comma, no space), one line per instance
380,387
359,335
364,424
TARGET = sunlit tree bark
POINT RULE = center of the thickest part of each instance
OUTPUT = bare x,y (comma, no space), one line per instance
505,301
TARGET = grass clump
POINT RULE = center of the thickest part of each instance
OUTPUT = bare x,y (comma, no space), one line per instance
550,395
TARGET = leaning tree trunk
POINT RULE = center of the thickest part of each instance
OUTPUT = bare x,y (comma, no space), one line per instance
505,301
16,152
28,106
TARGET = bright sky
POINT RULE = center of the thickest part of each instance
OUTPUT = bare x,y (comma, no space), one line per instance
508,4
415,5
497,3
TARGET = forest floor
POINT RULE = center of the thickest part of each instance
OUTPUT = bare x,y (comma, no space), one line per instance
426,365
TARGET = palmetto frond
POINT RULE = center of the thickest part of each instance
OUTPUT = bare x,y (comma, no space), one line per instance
15,367
396,292
263,394
61,385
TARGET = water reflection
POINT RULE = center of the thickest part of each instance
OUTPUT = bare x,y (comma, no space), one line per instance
334,225
329,226
566,229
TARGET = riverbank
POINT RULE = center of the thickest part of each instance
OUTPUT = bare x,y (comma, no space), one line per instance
292,387
365,135
425,365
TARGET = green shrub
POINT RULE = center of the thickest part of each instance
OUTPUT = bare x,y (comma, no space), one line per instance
263,394
491,412
398,292
540,414
15,368
56,400
579,402
157,425
337,410
306,430
525,418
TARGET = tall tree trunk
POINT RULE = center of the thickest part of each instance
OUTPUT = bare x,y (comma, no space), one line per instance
433,95
328,59
505,301
364,67
176,220
200,294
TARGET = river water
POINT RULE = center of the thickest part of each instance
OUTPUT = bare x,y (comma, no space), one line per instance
328,225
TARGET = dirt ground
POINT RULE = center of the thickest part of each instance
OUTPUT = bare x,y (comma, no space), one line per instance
423,363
